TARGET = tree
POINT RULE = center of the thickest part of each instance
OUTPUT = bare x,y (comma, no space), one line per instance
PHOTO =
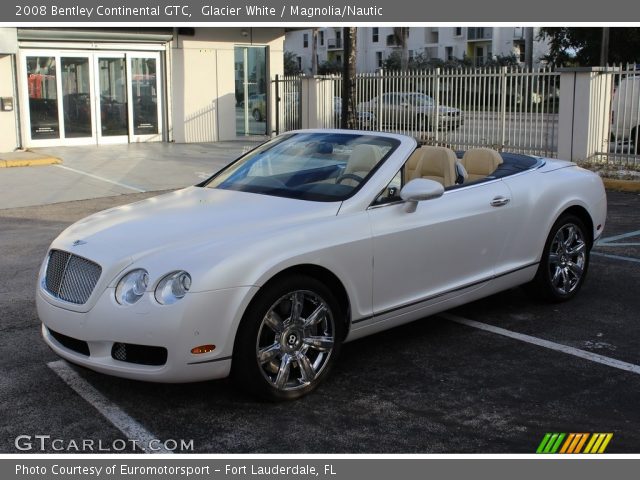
329,67
421,61
314,51
291,64
580,46
348,114
401,35
510,60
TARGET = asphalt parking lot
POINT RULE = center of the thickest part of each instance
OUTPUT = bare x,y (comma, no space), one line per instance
433,386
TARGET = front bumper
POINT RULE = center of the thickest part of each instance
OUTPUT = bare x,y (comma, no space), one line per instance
450,121
199,319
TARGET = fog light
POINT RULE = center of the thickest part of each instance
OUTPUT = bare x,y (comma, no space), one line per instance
203,349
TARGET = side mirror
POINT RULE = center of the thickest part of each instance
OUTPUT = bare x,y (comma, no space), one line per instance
420,189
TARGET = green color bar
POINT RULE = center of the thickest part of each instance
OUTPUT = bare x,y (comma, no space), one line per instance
543,443
550,443
555,448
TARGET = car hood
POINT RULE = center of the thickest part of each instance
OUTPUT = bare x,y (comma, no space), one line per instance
192,216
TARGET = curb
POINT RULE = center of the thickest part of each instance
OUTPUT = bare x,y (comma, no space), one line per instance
32,162
621,185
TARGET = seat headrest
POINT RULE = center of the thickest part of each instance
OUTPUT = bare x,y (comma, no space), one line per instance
437,160
481,161
363,158
319,147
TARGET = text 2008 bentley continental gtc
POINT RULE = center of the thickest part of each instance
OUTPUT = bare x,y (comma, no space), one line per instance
315,238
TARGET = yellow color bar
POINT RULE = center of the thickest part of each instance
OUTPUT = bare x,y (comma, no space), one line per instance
596,446
607,439
593,439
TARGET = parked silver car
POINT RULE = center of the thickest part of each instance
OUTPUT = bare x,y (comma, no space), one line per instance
413,109
365,118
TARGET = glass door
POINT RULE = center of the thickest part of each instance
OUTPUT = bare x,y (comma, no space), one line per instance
251,90
42,86
81,97
60,95
77,97
144,91
112,106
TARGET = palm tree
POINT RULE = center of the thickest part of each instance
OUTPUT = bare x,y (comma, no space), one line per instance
348,114
401,35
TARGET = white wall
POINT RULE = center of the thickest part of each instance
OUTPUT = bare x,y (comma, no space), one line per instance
294,42
7,119
203,76
8,47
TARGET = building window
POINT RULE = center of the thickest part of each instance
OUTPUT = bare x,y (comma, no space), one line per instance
338,58
299,59
448,53
379,59
375,35
305,40
322,38
457,31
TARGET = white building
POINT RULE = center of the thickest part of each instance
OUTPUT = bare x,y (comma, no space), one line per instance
375,44
83,86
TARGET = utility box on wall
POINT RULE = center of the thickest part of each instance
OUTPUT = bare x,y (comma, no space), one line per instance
6,104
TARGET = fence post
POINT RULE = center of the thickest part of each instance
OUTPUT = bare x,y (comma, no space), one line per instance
503,105
379,100
277,105
437,105
585,106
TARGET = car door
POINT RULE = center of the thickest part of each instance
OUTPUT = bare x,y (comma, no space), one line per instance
391,108
446,247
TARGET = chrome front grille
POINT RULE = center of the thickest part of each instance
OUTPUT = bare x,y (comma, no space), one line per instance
71,278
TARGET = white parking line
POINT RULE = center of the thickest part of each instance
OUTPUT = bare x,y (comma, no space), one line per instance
593,357
123,422
617,257
120,184
618,237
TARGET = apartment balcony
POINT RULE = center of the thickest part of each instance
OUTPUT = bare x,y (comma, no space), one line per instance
479,34
392,41
335,44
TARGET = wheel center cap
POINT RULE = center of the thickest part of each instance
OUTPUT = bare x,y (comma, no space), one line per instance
291,339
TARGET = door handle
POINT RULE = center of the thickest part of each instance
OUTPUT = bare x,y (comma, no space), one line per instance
500,201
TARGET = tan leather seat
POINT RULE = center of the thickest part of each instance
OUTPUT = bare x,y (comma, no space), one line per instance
412,165
362,160
480,162
436,163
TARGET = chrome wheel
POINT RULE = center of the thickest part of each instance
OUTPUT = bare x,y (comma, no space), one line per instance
295,340
567,258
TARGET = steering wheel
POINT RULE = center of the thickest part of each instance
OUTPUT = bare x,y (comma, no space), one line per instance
351,176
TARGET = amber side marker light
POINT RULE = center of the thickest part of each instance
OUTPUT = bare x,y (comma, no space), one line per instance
203,349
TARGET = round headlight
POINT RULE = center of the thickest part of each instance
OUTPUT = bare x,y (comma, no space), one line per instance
132,286
173,287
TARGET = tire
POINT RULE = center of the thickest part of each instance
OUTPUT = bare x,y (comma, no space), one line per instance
283,355
257,116
565,261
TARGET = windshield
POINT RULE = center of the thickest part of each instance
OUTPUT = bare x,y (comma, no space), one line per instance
419,99
324,167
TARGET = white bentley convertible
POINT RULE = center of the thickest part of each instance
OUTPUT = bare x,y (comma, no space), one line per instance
315,238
